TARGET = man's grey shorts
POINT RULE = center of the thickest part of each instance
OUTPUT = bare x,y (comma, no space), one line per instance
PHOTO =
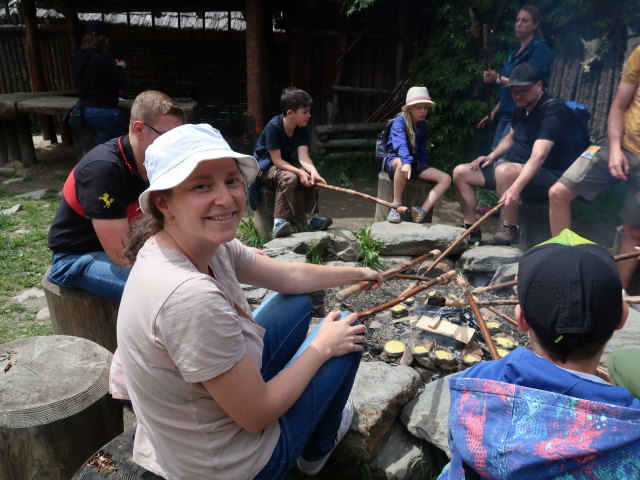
590,177
536,189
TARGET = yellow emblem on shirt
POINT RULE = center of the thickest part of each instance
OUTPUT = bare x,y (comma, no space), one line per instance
106,199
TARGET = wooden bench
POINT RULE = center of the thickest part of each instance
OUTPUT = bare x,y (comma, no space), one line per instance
55,409
116,458
414,194
81,314
263,216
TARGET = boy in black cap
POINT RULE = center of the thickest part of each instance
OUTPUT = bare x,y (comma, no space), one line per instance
543,413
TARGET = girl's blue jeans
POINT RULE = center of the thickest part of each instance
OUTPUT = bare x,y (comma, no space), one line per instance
91,271
106,123
309,427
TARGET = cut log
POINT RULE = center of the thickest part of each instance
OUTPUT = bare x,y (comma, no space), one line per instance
263,216
81,314
55,409
414,194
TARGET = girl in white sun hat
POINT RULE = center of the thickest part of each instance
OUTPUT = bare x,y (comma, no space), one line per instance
406,155
220,391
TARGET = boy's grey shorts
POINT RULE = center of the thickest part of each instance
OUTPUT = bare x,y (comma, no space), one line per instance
588,177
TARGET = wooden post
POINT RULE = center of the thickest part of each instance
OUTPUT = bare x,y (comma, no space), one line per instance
255,62
55,409
32,44
82,314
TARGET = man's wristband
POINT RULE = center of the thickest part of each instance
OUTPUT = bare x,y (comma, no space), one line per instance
499,80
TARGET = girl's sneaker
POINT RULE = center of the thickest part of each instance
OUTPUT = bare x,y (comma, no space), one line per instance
312,467
394,215
418,214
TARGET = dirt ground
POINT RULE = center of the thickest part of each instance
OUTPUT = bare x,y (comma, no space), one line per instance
54,162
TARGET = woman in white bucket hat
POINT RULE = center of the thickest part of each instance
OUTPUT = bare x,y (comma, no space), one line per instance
221,392
406,155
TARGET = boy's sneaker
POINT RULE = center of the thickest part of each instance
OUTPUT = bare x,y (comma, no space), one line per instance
394,215
317,224
418,214
282,228
507,235
312,467
475,235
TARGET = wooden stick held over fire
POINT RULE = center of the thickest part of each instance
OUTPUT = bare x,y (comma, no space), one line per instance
401,209
626,256
495,286
362,286
462,282
459,240
442,279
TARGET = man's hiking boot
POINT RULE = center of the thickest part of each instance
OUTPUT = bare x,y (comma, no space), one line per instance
317,224
282,228
507,235
312,467
475,235
418,214
394,215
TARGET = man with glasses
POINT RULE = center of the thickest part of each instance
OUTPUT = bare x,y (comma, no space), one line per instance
100,199
526,162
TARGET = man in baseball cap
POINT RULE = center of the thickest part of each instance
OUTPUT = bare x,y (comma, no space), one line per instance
543,413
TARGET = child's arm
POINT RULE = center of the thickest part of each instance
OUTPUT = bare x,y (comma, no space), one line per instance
307,164
303,176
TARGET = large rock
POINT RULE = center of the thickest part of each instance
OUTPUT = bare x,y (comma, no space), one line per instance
505,273
627,337
487,259
301,242
403,457
379,393
427,415
343,245
415,238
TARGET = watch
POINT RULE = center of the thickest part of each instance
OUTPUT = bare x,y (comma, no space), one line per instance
499,80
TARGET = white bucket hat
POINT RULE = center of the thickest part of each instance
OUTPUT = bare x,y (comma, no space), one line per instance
418,95
174,155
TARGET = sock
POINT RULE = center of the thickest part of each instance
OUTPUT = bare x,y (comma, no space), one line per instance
278,221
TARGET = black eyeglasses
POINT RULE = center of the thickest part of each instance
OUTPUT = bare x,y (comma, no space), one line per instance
522,91
154,129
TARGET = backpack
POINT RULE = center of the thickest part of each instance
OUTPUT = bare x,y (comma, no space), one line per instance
381,141
578,136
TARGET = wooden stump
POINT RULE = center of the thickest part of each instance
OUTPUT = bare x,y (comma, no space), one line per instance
263,216
55,409
414,194
117,454
81,314
533,220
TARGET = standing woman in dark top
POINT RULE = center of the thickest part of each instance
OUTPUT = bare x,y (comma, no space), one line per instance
98,77
532,49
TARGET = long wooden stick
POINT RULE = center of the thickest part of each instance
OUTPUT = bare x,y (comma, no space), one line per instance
348,191
442,279
483,327
362,286
404,276
495,286
502,315
459,240
626,256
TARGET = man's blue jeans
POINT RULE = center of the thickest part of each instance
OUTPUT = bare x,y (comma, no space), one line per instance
309,427
91,271
106,123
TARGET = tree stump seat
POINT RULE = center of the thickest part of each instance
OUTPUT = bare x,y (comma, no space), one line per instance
263,216
80,313
113,462
533,220
414,194
55,407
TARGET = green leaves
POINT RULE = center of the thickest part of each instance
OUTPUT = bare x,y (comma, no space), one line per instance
369,249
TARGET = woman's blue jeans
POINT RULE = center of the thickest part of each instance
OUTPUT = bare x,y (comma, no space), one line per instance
310,426
91,271
502,128
106,123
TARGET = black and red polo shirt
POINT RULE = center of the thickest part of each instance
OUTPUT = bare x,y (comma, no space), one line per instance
105,184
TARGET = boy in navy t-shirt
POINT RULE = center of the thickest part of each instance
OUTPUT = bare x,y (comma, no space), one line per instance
282,151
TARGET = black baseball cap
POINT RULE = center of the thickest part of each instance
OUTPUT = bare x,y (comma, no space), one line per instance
570,285
523,75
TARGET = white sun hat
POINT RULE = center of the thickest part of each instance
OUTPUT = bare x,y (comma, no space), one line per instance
175,154
418,95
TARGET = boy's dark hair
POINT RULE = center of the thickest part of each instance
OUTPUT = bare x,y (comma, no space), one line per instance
569,291
293,98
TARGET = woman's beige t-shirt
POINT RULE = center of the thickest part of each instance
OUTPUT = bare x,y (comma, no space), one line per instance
176,328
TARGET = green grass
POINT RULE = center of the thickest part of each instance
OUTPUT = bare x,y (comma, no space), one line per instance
314,256
24,258
248,234
369,249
